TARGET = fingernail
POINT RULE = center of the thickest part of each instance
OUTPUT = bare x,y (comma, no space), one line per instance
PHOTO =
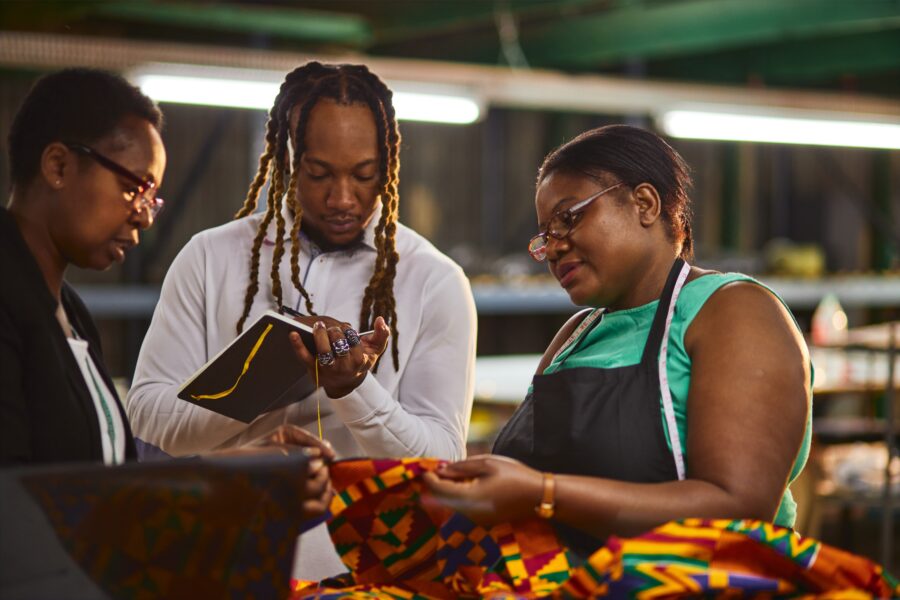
319,325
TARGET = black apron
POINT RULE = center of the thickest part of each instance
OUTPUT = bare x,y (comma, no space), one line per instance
597,422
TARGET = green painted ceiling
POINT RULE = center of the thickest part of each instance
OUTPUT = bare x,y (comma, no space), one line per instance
822,44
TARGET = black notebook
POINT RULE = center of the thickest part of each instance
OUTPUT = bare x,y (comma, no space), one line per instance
256,373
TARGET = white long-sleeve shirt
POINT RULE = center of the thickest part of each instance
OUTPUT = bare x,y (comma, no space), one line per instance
421,410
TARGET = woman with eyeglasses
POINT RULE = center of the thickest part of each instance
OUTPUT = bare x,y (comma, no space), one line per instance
86,159
680,393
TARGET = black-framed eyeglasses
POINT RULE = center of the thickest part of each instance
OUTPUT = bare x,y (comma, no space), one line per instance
144,190
561,224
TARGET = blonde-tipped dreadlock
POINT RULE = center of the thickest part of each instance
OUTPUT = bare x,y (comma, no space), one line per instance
304,87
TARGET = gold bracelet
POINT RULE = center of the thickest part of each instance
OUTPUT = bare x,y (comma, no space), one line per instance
545,509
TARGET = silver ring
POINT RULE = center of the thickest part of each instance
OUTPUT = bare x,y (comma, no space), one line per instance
341,347
352,336
325,358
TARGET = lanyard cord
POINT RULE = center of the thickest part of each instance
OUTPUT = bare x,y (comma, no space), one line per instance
107,414
110,428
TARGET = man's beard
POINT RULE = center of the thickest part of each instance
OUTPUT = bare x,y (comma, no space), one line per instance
322,242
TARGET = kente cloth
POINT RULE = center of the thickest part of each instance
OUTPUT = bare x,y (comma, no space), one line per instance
399,541
223,528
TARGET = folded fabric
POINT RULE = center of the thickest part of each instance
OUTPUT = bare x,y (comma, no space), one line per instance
398,541
176,529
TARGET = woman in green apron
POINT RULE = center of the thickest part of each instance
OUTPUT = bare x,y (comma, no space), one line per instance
681,393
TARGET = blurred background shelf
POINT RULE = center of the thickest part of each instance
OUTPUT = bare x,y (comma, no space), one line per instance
540,295
853,291
836,430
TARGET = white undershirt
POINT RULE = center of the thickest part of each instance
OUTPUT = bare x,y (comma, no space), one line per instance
107,410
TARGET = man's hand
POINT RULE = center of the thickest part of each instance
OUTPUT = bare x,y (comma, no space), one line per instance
344,358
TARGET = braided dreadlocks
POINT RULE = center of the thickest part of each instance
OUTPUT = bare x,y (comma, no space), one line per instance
304,87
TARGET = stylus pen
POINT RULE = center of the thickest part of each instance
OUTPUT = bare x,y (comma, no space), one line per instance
290,311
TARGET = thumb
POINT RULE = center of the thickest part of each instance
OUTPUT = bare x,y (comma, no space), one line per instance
293,435
445,488
378,340
300,349
464,469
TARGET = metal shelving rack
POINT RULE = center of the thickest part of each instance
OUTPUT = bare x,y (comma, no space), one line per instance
853,291
883,339
545,296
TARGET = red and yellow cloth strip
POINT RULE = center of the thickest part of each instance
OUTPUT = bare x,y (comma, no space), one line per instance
399,542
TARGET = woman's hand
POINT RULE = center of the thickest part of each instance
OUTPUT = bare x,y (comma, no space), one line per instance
318,491
287,436
284,439
488,488
344,357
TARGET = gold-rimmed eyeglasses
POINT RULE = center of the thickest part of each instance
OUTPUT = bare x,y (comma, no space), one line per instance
561,224
144,190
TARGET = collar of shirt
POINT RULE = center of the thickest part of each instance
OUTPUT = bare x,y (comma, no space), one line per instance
367,241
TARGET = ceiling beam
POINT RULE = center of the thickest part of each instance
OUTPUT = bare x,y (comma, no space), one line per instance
291,23
421,20
497,86
653,31
796,63
46,15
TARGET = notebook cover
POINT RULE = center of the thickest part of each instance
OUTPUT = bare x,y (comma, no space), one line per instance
256,373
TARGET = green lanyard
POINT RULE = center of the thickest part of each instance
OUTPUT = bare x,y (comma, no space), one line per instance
110,427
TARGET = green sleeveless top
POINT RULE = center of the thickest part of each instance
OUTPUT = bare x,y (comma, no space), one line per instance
618,341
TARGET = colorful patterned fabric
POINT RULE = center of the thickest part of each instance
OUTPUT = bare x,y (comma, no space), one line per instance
399,542
726,558
176,529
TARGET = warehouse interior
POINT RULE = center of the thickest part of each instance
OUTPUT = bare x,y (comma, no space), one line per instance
815,218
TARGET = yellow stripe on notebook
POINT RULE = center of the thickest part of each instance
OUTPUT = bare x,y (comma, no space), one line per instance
247,362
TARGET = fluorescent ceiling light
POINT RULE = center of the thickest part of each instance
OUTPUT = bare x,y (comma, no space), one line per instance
789,127
232,93
255,94
414,106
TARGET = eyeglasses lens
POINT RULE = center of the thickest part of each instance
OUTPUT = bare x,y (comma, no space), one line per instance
537,248
148,200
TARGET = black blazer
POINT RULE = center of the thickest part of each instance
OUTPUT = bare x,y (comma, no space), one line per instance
47,414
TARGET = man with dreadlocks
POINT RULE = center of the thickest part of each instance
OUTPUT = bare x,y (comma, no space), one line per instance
332,165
